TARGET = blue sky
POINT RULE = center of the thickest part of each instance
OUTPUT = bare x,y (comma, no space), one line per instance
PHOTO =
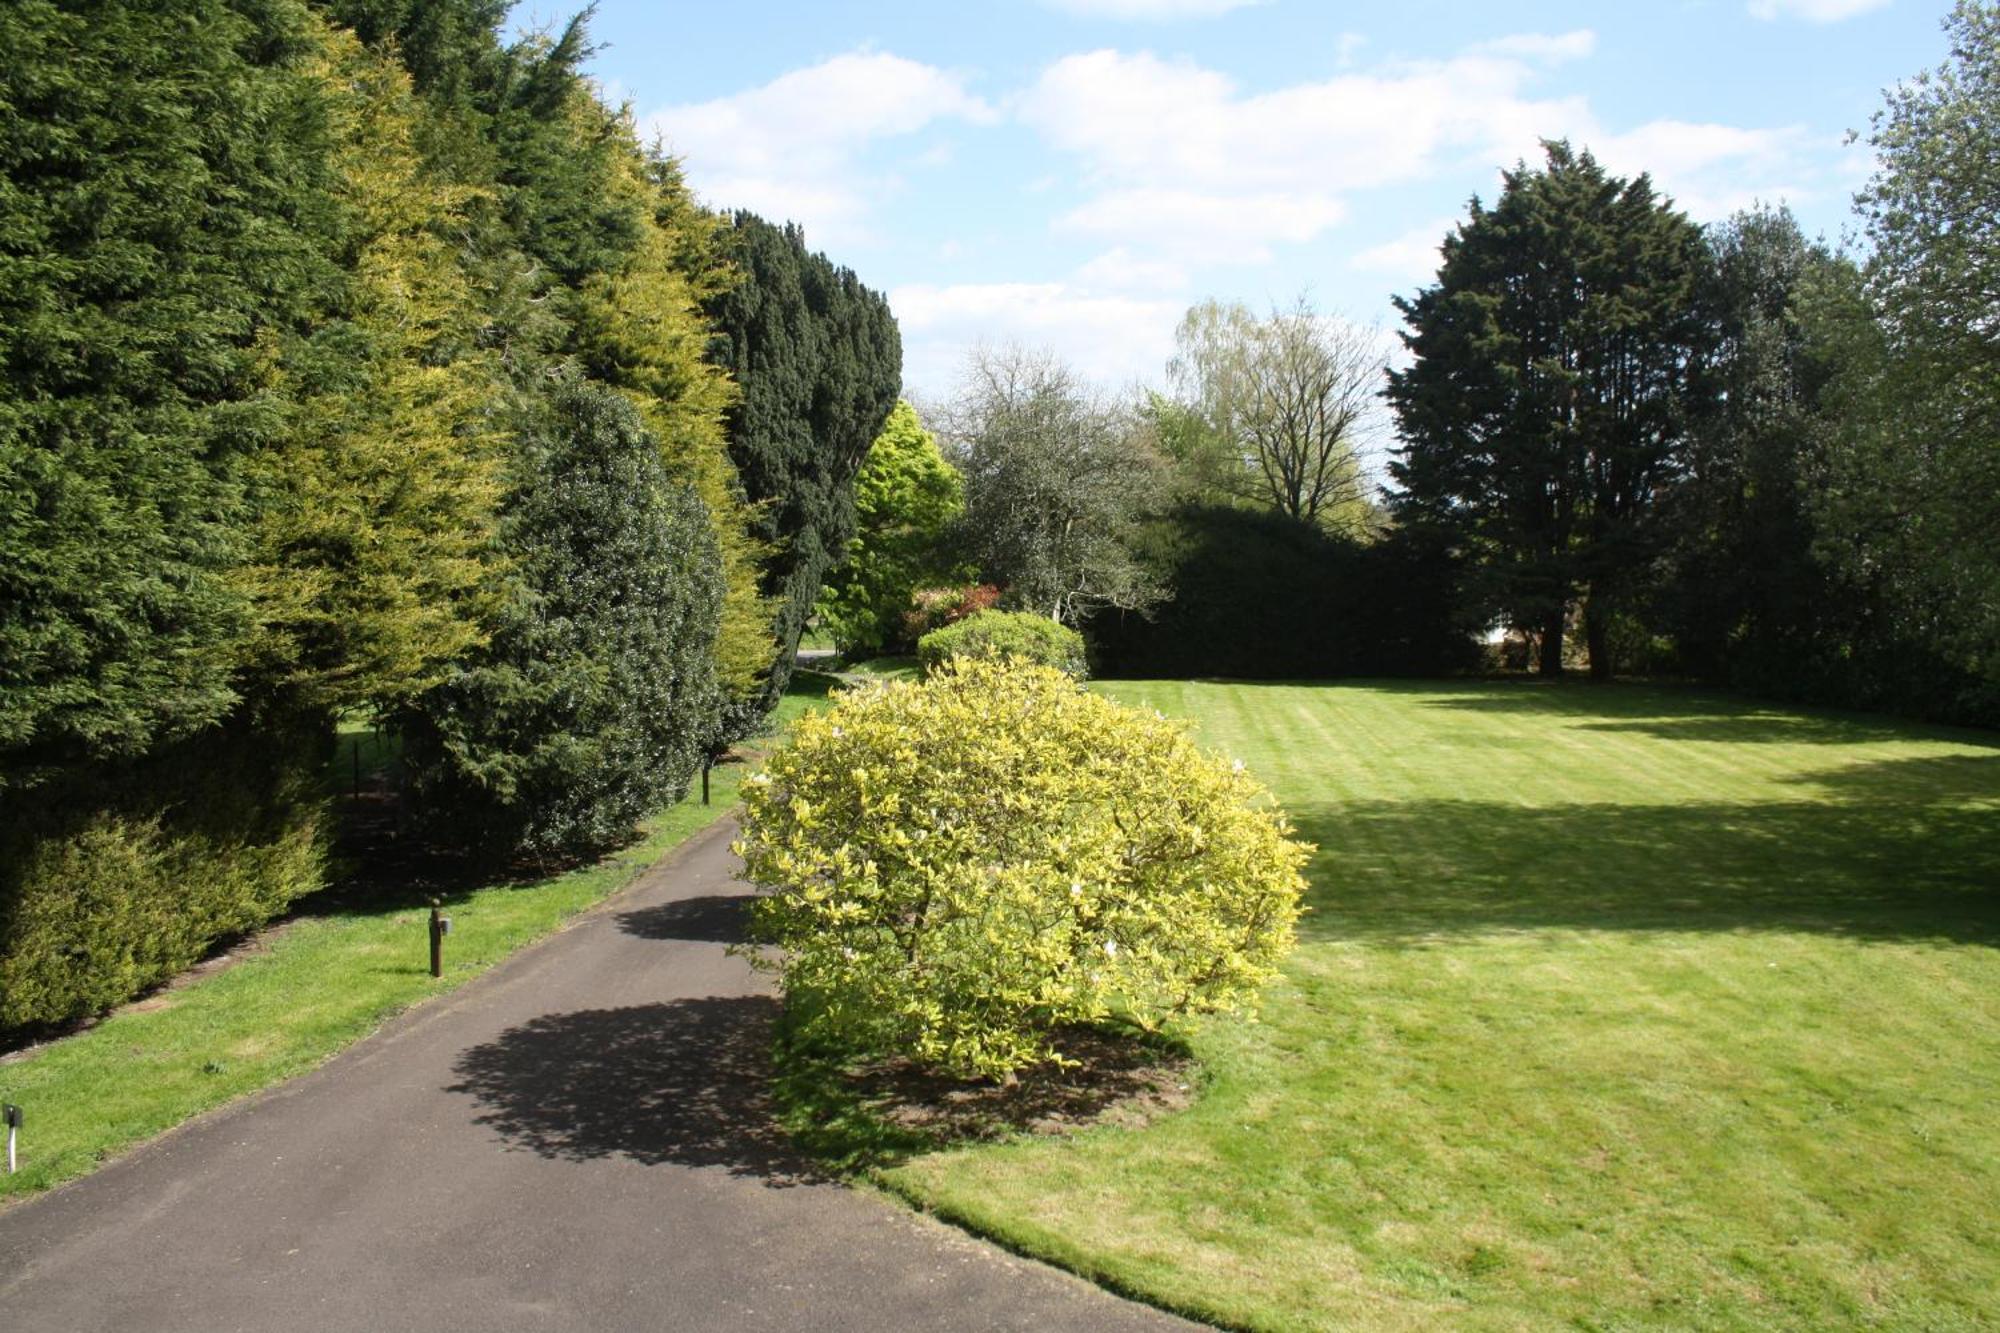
1075,173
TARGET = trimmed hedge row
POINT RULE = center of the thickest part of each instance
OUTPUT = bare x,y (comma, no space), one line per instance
112,880
1259,596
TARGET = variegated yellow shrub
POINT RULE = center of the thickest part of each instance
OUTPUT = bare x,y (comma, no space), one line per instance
961,867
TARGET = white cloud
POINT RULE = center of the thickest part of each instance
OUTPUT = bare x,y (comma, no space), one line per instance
1712,170
1814,11
1409,259
1208,228
1548,48
1121,270
1138,118
1181,165
1114,339
1149,10
1178,153
789,148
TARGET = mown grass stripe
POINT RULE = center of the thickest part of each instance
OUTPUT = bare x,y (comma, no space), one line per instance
1621,1007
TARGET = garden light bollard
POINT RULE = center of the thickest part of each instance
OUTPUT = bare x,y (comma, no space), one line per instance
13,1115
704,779
440,927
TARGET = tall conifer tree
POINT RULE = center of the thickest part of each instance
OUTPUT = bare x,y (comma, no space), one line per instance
820,363
156,159
1557,362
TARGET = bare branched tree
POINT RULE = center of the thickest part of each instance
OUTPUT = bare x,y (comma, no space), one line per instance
1057,474
1285,403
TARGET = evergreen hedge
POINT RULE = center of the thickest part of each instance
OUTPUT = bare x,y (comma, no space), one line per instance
117,876
1259,596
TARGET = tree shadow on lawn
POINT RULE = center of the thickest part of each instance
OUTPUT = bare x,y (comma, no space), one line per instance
1903,849
1683,713
686,1083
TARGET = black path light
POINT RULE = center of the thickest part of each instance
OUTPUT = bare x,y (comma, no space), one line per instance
13,1117
440,927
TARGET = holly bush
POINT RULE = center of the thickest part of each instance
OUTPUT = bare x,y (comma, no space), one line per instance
961,868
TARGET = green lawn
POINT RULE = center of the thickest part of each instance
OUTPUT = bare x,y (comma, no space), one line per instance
883,668
311,988
1618,1007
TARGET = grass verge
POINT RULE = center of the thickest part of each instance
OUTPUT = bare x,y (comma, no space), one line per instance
1619,1008
882,668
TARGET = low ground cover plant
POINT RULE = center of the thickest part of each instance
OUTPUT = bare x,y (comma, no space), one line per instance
1019,634
963,867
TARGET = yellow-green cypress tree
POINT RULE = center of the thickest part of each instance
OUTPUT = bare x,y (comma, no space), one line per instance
373,545
642,330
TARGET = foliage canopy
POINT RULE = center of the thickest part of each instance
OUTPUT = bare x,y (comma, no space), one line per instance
820,363
1555,374
595,700
961,867
906,499
1057,477
1915,474
1019,635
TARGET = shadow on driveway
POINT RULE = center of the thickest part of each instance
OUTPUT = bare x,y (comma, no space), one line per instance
715,918
684,1083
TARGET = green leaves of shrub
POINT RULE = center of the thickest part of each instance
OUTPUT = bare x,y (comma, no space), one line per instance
1017,634
963,867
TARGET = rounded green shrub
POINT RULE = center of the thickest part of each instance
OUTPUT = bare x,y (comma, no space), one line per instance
964,867
1021,634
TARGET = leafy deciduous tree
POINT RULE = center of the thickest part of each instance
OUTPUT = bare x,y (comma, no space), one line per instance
1916,464
1743,593
1280,406
1057,477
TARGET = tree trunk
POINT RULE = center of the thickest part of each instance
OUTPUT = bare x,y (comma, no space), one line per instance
1596,637
1552,644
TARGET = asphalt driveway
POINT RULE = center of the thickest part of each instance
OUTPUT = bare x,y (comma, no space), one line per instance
576,1140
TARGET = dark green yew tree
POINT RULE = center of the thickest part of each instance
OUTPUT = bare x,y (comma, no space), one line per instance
1557,363
820,363
595,701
